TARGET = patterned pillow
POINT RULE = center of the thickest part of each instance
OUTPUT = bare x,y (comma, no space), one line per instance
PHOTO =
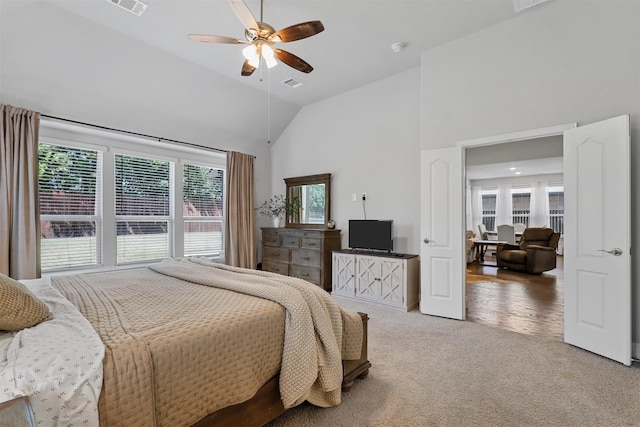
19,308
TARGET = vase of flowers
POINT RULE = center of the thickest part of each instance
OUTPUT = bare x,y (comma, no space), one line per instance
275,208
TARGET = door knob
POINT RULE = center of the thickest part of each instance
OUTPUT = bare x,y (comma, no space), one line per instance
426,240
614,251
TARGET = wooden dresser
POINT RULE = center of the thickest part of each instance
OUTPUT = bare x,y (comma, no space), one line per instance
300,252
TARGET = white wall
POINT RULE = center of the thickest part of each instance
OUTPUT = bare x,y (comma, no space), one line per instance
57,63
565,61
369,140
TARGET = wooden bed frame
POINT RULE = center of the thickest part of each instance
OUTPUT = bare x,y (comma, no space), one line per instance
266,404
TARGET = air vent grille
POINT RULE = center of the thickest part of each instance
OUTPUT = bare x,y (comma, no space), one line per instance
292,82
134,6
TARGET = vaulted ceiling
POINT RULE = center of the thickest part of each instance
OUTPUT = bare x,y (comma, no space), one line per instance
353,50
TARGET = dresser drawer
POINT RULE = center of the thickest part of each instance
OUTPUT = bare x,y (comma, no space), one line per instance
310,243
290,241
275,254
276,267
305,257
309,274
271,240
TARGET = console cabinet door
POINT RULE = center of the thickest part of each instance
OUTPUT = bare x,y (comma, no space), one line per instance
392,280
368,278
344,275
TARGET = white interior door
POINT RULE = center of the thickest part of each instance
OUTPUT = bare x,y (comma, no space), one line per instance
597,262
442,252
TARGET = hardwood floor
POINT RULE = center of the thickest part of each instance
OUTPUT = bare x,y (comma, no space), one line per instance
525,303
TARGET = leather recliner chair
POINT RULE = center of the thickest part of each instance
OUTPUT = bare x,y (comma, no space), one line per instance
535,254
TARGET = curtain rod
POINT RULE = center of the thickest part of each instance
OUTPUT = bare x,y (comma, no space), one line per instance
159,139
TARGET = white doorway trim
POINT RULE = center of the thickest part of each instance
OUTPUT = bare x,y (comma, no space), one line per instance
517,136
443,274
495,140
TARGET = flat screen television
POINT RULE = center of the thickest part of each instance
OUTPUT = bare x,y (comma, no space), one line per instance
371,234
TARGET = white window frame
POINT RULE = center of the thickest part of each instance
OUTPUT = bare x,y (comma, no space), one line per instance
555,188
487,192
110,143
180,198
521,190
97,217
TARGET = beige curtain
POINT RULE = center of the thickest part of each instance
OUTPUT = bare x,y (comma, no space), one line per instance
19,209
240,235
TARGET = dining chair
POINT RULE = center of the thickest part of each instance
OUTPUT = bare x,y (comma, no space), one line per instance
483,232
507,233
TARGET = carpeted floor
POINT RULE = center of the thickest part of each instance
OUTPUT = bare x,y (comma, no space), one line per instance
430,371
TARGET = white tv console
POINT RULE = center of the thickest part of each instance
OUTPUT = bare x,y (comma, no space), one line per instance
389,279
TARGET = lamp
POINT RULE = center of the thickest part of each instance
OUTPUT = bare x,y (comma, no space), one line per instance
267,54
253,52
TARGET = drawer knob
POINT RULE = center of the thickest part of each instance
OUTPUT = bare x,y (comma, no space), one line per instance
305,257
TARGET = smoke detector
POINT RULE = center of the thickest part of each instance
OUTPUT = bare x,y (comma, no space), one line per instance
134,6
397,47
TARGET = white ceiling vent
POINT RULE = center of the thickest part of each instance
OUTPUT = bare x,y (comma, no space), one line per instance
520,5
134,6
292,82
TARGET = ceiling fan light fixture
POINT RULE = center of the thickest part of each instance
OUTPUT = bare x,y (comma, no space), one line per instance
268,55
253,56
260,39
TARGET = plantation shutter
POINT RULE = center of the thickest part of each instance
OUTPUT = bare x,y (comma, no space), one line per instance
70,192
203,209
143,208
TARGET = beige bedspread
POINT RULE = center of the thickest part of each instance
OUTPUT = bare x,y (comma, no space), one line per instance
177,350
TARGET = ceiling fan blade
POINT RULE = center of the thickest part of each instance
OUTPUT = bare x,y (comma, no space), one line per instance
247,69
298,31
244,15
293,61
205,38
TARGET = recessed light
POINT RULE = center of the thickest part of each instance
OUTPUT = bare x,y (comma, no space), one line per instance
518,173
512,169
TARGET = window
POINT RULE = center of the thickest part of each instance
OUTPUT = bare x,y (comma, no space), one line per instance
70,194
105,200
144,218
521,205
202,209
489,209
556,208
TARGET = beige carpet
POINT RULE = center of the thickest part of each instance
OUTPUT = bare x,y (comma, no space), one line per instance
429,371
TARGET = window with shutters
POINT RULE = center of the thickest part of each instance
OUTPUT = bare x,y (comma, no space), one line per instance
489,209
521,205
202,209
69,182
106,201
556,208
143,208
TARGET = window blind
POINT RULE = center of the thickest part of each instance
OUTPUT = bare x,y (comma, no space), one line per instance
69,191
202,209
143,208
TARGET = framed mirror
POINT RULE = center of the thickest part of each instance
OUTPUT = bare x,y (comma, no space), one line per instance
308,201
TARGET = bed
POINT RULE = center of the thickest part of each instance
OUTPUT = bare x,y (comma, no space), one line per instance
184,342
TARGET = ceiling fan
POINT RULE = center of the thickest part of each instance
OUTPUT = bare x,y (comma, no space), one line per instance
261,37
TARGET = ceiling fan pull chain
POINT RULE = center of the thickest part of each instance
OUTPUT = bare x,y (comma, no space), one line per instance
268,106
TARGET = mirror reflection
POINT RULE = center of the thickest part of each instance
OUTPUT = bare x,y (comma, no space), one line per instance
308,200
